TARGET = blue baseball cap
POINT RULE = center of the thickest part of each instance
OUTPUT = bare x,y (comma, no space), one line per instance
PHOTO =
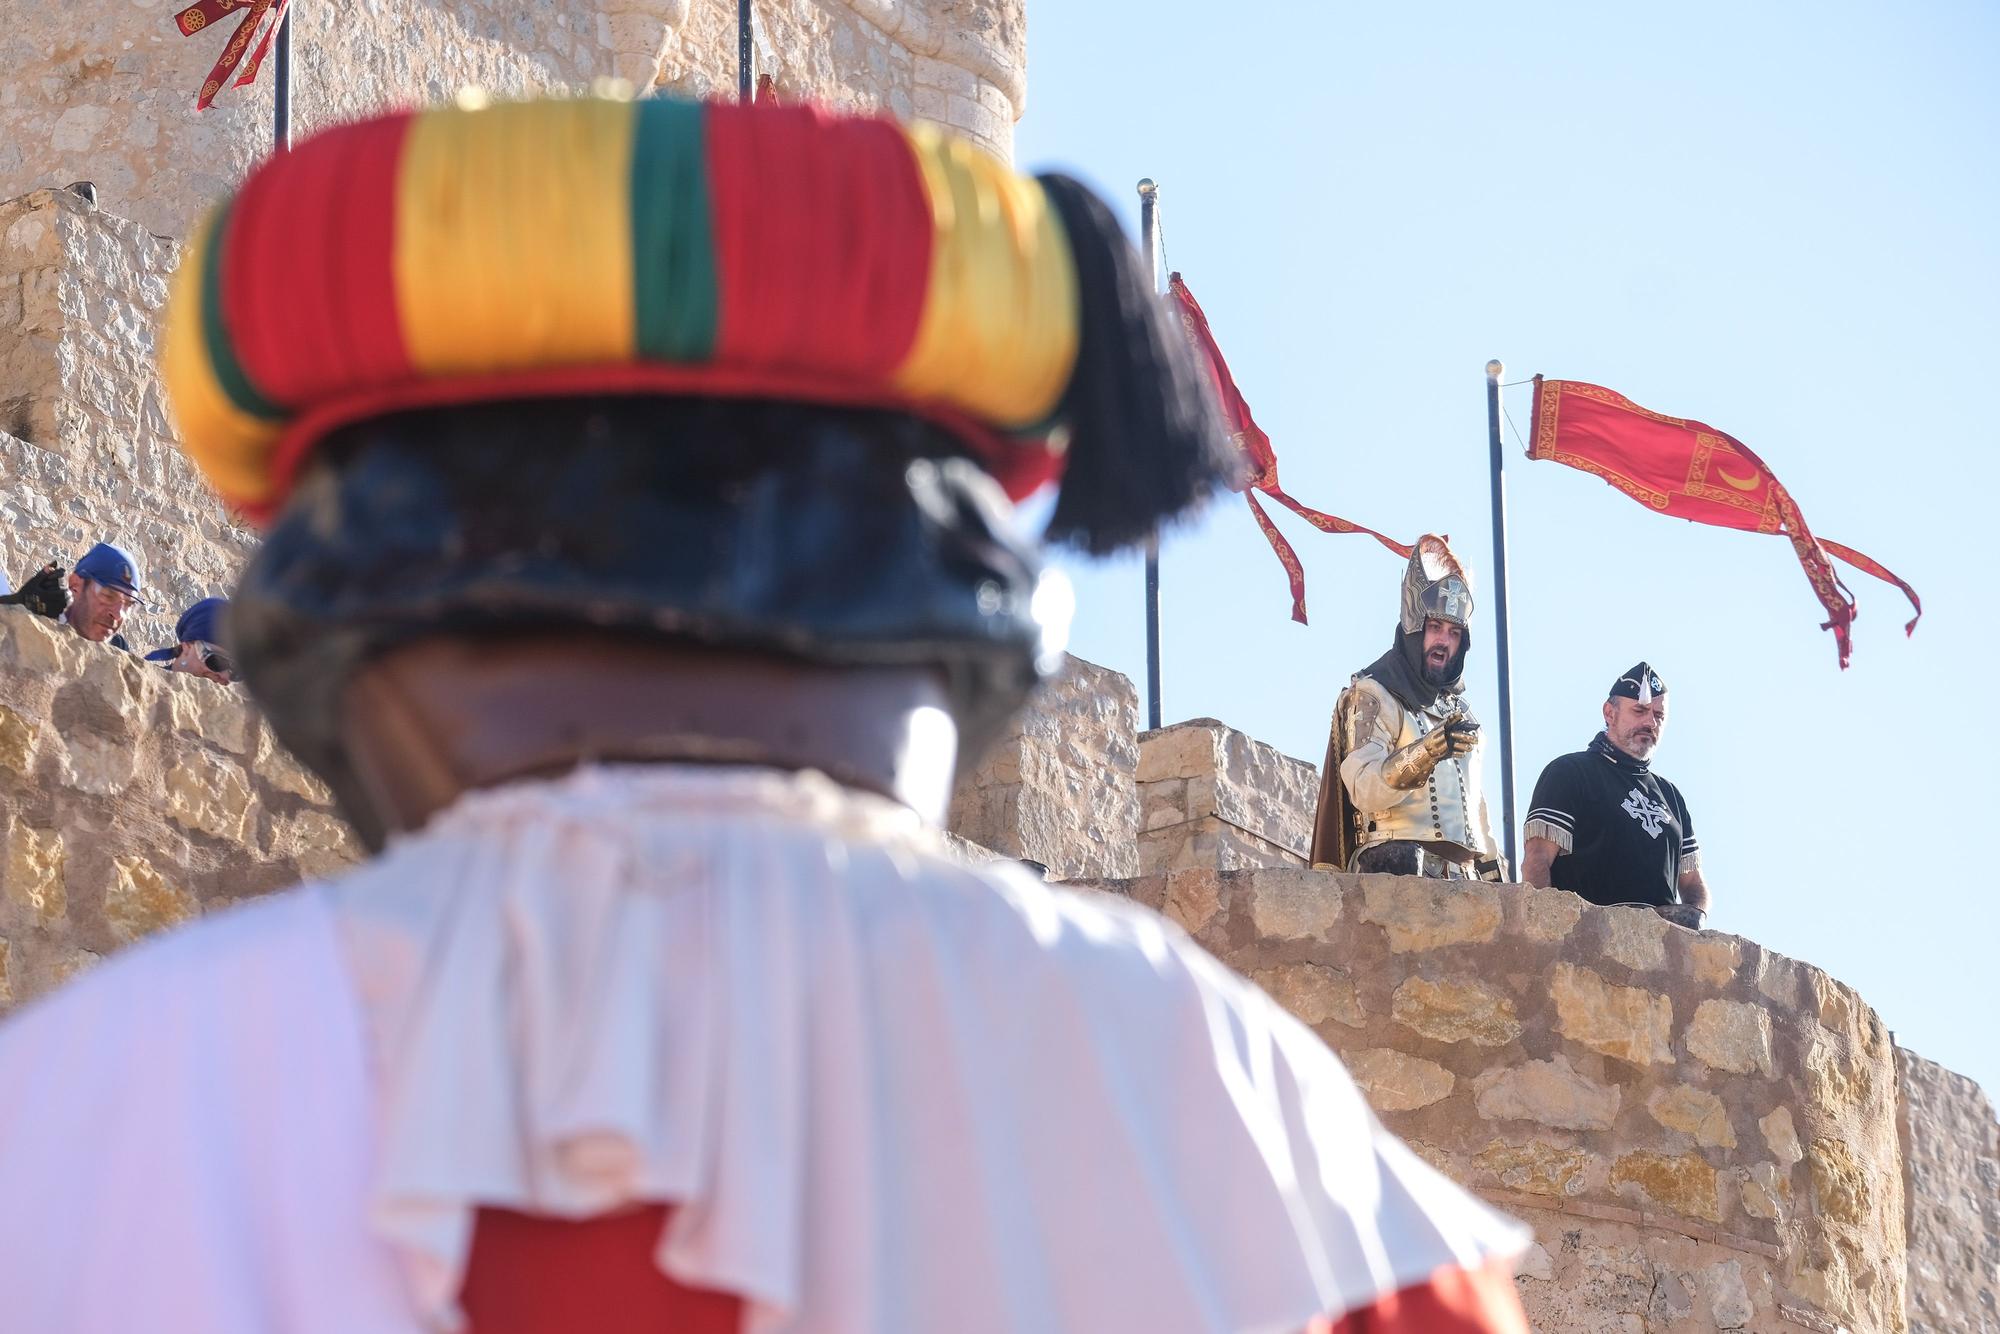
202,622
111,566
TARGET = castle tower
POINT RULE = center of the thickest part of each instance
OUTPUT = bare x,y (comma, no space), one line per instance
104,91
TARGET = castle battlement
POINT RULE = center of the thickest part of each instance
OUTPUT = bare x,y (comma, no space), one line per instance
1704,1134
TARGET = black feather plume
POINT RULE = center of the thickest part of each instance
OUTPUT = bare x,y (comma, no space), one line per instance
1146,441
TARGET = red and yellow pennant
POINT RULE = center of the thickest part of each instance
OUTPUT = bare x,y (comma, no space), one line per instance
197,18
1260,461
1692,471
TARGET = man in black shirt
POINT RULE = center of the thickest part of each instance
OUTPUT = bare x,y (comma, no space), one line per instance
1602,824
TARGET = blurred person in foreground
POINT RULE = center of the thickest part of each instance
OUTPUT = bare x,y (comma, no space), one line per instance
1400,791
197,648
1602,824
637,612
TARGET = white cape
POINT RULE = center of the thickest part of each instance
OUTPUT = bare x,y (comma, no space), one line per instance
889,1093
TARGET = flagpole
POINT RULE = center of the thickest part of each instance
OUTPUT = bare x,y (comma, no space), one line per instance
281,110
745,56
1494,370
1149,232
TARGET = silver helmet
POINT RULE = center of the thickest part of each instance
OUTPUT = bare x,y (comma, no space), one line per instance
1436,584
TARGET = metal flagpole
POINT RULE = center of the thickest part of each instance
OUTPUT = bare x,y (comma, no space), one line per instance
281,111
746,58
1149,232
1494,370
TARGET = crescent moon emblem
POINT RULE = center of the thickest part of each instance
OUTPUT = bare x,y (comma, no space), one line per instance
1740,483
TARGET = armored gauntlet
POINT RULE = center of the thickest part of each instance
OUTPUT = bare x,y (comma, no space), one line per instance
1407,768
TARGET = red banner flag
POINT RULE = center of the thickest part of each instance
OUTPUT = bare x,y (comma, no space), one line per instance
1692,471
197,18
1260,462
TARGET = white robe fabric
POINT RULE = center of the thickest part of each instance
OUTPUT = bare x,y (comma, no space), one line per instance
889,1093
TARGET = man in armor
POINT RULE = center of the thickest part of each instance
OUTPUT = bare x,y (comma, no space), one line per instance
1400,791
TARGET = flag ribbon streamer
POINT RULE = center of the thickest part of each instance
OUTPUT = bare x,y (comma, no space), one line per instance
197,18
1692,471
1260,462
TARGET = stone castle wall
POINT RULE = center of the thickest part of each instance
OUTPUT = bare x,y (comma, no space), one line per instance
1951,1152
86,451
1059,787
1702,1133
1213,797
104,90
1705,1135
132,799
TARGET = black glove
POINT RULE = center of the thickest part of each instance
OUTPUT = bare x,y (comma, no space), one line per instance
45,593
1682,914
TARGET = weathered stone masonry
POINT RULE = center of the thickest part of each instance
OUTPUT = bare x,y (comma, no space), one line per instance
1704,1135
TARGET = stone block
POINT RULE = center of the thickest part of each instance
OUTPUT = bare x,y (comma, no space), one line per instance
1315,993
1635,937
140,900
318,843
1549,1093
1294,905
209,793
1728,1298
1694,1112
1058,786
1840,1186
1537,1168
1545,914
1731,1035
17,742
1398,1082
1456,1010
1215,797
1781,1135
1192,900
34,870
1765,1189
1713,959
1626,1022
1684,1183
100,765
1429,914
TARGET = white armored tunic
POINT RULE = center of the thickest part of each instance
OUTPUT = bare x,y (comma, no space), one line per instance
1448,808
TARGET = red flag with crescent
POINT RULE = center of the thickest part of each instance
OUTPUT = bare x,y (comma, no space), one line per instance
197,18
1692,471
1260,462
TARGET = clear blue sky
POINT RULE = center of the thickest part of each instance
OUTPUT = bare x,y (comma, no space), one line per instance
1783,220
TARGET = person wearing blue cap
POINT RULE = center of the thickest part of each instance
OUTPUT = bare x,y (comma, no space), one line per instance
102,588
198,647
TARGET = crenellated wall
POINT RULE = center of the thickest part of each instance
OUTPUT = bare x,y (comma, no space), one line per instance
1211,796
1058,787
132,799
1702,1133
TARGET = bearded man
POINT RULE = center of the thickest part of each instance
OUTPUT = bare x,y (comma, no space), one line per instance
1602,824
638,560
1400,791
